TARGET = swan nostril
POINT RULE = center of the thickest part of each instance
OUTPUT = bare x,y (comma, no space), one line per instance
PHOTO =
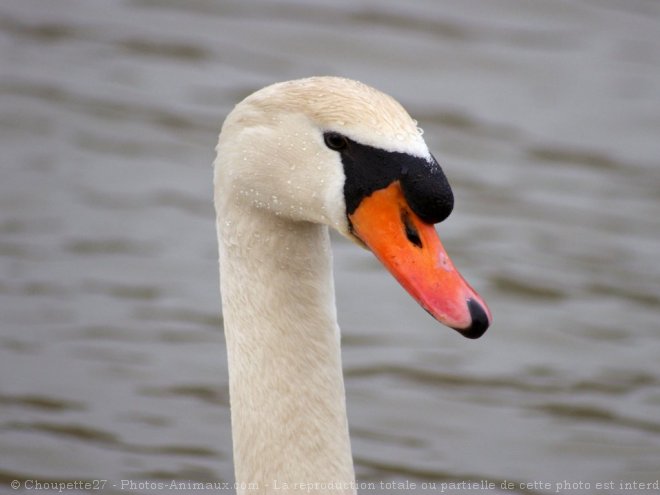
411,231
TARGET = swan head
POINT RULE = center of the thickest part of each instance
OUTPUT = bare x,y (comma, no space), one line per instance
334,151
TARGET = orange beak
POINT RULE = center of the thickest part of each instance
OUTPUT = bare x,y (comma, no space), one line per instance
411,250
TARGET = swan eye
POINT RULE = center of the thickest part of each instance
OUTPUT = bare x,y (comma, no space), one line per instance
335,141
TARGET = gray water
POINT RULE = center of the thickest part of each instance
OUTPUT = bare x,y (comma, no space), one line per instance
546,118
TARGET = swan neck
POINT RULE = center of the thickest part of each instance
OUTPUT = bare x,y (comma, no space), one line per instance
289,422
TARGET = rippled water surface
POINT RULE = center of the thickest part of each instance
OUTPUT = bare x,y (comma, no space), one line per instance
546,118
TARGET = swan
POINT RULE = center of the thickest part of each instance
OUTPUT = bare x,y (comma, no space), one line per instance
294,159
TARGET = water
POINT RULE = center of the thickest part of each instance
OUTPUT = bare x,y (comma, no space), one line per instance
545,116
